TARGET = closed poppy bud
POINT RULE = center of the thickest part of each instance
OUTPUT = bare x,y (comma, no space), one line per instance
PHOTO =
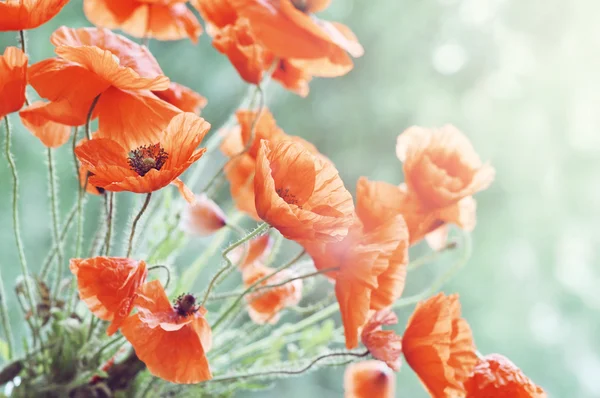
203,217
300,193
384,345
438,346
28,14
369,379
495,376
13,75
172,340
108,286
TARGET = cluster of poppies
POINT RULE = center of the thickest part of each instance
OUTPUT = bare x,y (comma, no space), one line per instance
149,131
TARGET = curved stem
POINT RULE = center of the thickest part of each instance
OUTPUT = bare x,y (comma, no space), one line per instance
61,238
135,221
88,132
289,372
23,42
55,223
257,232
75,160
166,269
109,216
254,285
15,216
297,278
8,335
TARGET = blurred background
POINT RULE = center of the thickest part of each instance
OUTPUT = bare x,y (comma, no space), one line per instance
519,77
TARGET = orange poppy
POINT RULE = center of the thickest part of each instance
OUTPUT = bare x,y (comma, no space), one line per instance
13,80
300,193
264,306
108,285
289,29
369,379
111,69
438,346
151,164
495,376
203,217
384,345
171,340
183,98
28,14
84,182
51,134
158,19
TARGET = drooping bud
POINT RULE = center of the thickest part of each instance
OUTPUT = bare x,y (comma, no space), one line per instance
204,217
369,379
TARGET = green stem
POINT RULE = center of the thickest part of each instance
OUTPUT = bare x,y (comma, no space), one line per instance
88,130
166,269
288,372
55,223
109,217
135,222
254,285
23,41
5,319
257,232
15,217
54,250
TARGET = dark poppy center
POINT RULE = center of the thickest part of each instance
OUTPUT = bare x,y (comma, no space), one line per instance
146,158
287,195
301,5
185,305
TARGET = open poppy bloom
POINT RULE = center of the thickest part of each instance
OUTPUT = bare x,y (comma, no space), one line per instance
264,306
438,346
203,217
13,80
183,98
369,379
158,19
171,340
149,165
384,345
108,285
27,14
85,183
234,37
300,193
496,376
113,72
50,133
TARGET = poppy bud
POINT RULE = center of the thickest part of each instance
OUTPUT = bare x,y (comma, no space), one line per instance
369,379
204,217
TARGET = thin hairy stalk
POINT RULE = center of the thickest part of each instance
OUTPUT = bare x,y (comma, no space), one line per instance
75,160
6,327
247,145
442,279
257,232
154,251
27,315
15,216
23,42
61,238
55,222
431,257
297,278
94,247
250,288
189,276
135,222
288,372
88,130
109,217
166,269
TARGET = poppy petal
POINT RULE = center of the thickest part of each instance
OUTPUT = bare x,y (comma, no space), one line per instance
369,379
13,80
51,134
28,14
183,98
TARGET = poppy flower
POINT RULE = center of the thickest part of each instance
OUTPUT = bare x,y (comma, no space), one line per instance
203,217
13,80
438,346
171,340
369,379
158,19
300,193
264,306
151,164
28,14
85,183
289,29
384,345
421,221
110,69
440,166
182,97
50,133
496,376
108,285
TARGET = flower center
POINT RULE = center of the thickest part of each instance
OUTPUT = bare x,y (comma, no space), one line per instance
301,5
146,158
285,194
185,305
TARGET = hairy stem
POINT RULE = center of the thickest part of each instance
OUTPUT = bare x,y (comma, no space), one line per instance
109,217
166,269
6,327
61,238
135,222
88,130
55,222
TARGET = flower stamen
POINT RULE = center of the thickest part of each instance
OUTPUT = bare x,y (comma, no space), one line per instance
185,305
146,158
